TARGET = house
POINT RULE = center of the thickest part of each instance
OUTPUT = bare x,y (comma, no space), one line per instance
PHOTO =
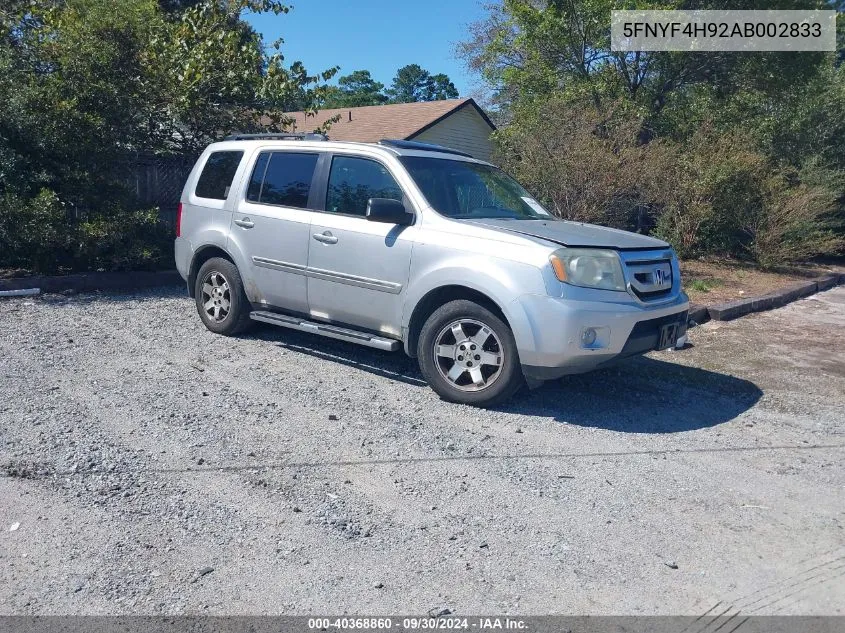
456,123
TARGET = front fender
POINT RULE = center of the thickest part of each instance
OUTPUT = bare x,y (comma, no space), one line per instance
500,280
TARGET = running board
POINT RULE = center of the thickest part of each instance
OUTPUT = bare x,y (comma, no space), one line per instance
323,329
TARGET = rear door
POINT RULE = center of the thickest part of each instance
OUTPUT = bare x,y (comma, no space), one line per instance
271,227
357,269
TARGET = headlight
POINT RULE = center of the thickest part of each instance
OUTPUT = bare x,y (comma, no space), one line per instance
591,268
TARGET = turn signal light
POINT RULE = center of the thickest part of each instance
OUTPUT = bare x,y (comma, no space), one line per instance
559,267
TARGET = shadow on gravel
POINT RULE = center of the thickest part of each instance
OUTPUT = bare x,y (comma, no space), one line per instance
393,366
639,395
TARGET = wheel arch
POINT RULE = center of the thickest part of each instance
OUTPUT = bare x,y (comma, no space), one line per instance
440,296
202,255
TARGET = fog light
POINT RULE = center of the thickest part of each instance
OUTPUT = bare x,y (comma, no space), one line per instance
595,337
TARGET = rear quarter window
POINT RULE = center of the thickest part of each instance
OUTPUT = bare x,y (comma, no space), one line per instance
217,175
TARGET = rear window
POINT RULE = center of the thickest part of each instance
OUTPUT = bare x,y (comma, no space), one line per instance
282,178
216,177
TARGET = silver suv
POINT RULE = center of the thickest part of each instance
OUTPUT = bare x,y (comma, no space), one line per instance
408,245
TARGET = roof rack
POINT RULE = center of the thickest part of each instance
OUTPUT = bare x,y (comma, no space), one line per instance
425,147
279,136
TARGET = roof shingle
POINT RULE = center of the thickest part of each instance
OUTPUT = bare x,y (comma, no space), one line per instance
369,124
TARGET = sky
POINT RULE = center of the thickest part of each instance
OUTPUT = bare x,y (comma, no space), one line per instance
376,35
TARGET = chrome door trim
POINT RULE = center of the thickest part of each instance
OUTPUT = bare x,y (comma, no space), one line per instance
354,280
274,264
329,275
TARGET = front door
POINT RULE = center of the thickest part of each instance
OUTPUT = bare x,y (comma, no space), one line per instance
271,225
357,269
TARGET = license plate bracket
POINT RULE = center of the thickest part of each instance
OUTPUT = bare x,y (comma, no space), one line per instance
668,336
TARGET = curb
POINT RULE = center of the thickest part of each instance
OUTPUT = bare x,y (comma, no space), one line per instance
697,314
742,307
88,282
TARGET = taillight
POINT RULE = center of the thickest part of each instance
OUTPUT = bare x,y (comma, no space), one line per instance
179,220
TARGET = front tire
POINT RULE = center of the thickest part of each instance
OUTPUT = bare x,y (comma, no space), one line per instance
468,355
221,301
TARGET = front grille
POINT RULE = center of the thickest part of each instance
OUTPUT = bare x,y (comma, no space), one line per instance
655,294
650,277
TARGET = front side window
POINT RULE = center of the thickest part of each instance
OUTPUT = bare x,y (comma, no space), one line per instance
217,175
353,181
282,178
466,190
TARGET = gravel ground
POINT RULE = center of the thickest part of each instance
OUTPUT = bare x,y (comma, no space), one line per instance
149,466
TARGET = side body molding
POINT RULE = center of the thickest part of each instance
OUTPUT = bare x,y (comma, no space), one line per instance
329,275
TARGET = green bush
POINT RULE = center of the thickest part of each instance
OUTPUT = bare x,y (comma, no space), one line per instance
127,240
715,192
34,233
796,220
710,184
38,235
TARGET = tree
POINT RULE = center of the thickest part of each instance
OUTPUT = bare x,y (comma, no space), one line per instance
414,83
442,88
528,50
718,152
215,65
86,86
356,89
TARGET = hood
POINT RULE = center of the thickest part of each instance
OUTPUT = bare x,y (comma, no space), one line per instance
573,233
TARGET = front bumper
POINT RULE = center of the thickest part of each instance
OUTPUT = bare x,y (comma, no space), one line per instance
553,345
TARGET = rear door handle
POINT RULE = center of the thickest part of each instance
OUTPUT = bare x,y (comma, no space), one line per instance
325,237
246,223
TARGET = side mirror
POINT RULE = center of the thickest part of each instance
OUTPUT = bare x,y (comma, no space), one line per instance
388,211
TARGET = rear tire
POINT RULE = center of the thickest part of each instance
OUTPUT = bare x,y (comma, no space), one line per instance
221,301
468,355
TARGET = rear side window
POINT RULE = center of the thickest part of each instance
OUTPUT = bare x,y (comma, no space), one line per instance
353,181
216,177
282,178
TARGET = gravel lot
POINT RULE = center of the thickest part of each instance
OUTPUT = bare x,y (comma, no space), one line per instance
150,466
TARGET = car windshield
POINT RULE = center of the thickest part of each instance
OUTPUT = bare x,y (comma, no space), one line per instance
463,190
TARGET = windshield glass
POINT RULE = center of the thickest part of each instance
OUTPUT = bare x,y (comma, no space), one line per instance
463,190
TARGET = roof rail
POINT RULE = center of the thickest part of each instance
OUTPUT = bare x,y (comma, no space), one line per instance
279,136
425,147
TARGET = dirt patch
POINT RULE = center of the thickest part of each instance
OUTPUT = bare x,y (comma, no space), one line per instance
708,282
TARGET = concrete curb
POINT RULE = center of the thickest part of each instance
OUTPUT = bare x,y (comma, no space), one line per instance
88,282
741,307
697,314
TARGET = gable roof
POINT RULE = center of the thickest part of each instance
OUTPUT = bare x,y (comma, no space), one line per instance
369,124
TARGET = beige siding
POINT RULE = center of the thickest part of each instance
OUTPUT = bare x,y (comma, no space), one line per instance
464,130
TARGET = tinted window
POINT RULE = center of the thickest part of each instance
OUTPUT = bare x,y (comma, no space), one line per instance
463,189
217,175
282,178
353,181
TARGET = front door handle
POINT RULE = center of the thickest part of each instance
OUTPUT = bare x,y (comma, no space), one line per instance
246,223
325,237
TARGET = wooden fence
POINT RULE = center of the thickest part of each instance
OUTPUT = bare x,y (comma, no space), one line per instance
158,181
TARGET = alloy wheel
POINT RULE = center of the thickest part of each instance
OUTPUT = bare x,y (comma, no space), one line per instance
216,296
469,355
